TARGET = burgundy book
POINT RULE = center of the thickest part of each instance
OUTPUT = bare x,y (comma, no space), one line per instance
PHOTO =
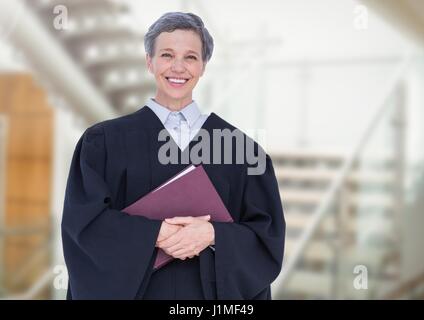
189,193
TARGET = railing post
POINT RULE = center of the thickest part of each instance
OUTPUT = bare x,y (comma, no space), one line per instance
399,128
341,237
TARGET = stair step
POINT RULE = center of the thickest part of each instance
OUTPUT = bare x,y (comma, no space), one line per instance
318,156
319,285
299,221
327,175
355,200
310,284
321,251
316,251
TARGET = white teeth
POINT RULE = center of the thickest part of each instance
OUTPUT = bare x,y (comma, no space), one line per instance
177,80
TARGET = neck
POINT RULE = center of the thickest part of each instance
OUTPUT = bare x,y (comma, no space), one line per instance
173,104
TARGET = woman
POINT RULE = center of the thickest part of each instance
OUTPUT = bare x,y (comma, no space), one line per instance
110,254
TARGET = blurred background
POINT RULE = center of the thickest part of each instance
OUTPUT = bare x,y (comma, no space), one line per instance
337,85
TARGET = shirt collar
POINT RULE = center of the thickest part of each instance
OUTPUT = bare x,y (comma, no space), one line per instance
190,112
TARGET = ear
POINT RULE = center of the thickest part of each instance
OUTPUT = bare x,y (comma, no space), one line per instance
149,63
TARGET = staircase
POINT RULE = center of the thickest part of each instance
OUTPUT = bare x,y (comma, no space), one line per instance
326,267
357,226
99,37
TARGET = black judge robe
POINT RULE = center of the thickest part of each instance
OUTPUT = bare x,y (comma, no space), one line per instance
110,254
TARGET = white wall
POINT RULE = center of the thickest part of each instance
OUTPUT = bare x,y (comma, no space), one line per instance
348,66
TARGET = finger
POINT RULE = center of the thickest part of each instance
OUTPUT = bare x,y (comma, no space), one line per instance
160,241
169,233
163,236
186,220
181,252
179,246
172,224
179,220
206,218
183,255
186,250
170,241
169,252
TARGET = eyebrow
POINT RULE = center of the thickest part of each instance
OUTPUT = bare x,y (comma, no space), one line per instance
189,51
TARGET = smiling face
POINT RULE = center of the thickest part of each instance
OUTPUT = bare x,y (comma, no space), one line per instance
177,66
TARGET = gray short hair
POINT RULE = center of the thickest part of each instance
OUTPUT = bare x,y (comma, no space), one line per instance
179,21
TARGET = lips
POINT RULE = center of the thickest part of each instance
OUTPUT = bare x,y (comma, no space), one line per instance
176,82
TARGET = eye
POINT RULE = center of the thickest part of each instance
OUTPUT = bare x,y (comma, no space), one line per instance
192,57
167,55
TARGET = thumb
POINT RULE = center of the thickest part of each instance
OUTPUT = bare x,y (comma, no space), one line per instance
179,220
206,218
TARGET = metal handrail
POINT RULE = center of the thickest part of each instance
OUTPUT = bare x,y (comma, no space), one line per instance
331,194
43,281
26,230
26,266
405,287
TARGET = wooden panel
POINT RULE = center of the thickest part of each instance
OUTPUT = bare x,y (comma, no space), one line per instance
30,136
19,94
28,181
25,213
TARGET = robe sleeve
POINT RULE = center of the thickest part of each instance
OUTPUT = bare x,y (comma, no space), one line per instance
249,253
108,253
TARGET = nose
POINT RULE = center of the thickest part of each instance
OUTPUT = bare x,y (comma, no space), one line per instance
178,66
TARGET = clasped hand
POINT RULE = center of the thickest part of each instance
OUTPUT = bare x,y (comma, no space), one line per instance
185,237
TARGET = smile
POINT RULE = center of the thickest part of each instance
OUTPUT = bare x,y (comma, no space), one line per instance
176,82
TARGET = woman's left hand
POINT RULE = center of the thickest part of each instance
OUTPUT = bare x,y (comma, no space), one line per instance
189,241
